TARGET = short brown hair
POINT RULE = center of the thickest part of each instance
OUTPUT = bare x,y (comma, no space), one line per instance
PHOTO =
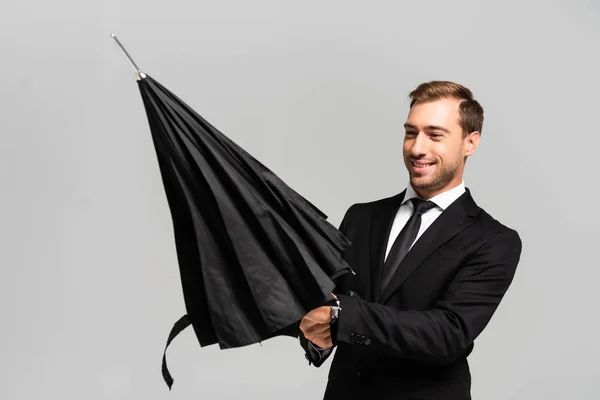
471,112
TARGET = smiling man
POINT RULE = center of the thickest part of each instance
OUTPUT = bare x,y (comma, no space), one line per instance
431,268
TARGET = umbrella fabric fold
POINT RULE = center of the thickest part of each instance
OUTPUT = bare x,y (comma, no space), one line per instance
254,255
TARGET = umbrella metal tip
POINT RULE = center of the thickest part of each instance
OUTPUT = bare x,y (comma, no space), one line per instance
131,62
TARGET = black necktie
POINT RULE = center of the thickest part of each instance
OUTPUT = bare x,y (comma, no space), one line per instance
404,240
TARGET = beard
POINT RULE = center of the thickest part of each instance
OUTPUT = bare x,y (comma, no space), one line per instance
438,179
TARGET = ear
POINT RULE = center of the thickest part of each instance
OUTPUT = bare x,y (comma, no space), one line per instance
471,142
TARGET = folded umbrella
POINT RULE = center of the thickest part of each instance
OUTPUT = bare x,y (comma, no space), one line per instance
254,255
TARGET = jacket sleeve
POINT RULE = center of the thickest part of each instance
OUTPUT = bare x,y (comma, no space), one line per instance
443,333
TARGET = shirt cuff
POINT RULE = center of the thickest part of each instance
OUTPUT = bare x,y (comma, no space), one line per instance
314,346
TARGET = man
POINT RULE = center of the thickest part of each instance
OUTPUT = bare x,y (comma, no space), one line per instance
431,268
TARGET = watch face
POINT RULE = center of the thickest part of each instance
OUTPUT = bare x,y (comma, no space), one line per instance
334,312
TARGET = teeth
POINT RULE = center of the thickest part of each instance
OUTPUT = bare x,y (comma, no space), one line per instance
421,165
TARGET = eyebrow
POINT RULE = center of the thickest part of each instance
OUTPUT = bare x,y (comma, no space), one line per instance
428,127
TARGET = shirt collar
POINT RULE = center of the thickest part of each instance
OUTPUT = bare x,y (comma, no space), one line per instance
442,200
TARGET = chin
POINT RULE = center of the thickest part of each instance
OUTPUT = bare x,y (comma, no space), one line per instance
421,181
424,183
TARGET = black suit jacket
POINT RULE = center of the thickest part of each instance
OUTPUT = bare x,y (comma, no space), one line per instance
412,341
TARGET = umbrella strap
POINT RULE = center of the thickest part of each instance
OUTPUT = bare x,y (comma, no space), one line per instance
179,326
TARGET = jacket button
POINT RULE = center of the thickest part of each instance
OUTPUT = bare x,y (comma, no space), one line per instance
368,342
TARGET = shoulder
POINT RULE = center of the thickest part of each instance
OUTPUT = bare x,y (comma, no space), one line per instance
367,207
361,213
495,232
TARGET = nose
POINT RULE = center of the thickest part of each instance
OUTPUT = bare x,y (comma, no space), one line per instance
420,145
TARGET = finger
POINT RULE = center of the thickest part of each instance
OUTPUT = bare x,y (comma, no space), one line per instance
315,313
320,315
307,324
318,329
318,335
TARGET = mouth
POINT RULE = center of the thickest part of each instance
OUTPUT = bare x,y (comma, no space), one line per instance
419,166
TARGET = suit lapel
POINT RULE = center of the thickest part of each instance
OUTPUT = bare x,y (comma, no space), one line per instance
381,225
455,218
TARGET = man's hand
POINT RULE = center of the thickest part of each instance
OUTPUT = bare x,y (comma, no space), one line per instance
316,326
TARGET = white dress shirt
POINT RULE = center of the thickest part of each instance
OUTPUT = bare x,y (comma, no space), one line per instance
442,201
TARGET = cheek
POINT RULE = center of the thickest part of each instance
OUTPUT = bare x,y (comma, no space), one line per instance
405,148
448,154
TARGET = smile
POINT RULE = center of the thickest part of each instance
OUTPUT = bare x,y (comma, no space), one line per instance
421,165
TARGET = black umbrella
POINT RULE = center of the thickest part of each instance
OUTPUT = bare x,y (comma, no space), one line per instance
254,255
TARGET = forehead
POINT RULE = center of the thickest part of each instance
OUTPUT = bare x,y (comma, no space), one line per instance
442,112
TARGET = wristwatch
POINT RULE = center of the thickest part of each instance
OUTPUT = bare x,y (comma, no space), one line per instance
335,311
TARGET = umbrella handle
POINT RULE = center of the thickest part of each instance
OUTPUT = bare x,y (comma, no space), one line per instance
139,73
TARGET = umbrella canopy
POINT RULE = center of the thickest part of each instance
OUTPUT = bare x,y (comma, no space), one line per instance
254,255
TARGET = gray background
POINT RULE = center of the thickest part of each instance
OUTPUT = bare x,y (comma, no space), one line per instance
317,90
